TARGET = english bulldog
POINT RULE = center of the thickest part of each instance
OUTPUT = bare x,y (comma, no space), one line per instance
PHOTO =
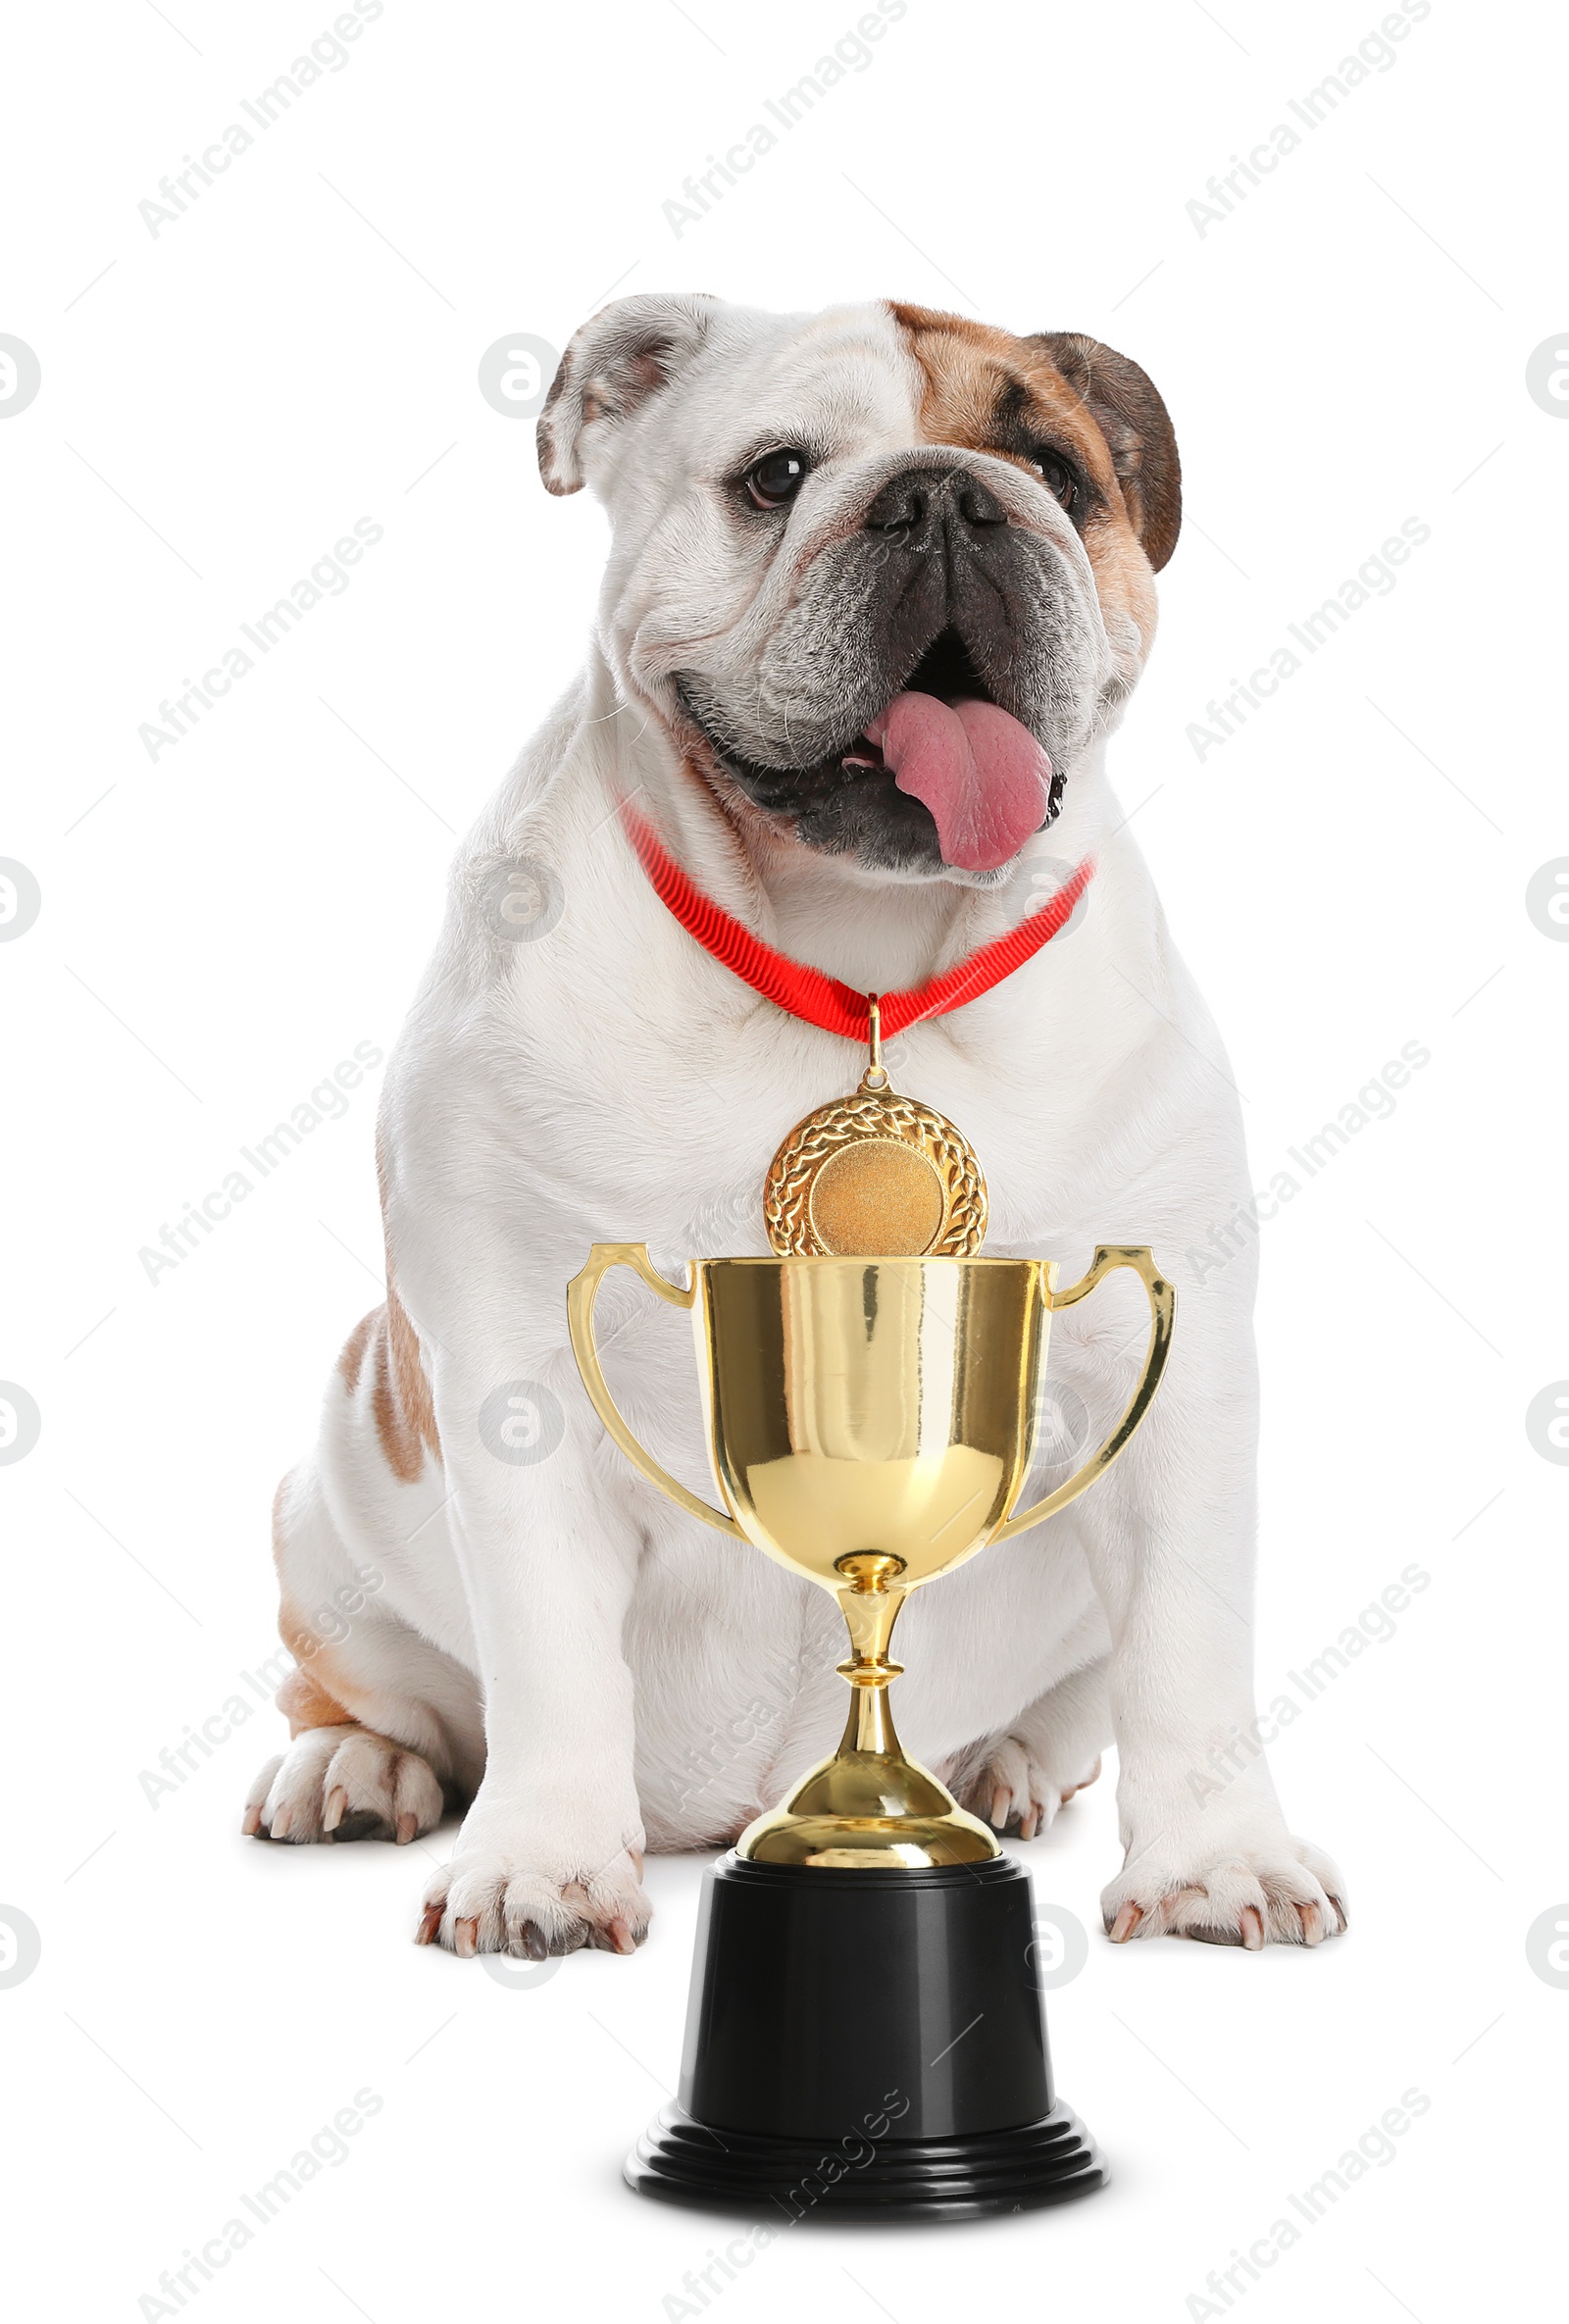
880,583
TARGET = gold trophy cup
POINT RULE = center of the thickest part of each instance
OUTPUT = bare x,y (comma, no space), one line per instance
871,1423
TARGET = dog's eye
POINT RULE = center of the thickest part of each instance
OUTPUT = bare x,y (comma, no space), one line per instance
1057,476
776,478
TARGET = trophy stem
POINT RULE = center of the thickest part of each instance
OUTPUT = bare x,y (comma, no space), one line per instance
871,1606
869,1807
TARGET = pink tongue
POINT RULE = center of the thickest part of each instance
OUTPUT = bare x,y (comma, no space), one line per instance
983,775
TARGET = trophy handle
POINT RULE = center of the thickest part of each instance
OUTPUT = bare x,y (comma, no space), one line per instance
581,1293
1162,1310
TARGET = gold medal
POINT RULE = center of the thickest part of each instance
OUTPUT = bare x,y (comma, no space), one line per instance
875,1176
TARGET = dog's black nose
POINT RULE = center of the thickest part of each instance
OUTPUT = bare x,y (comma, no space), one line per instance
912,503
975,504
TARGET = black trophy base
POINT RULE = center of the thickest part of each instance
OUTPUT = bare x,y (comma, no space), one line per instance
782,2180
865,2044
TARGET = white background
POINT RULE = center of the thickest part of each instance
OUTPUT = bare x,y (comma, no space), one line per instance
220,402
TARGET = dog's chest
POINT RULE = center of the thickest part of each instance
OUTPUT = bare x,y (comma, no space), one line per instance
672,1148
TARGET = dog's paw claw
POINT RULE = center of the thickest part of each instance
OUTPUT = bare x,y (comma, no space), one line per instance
343,1783
1004,1784
485,1902
1280,1891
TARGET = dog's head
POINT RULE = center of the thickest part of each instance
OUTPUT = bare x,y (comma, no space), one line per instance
881,572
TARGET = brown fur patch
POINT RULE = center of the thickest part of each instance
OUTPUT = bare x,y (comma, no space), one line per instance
1093,404
401,1402
305,1702
405,1415
969,369
318,1693
351,1362
1126,406
303,1697
400,1395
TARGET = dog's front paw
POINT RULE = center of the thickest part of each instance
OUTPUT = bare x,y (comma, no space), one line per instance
532,1897
1280,1891
343,1783
1010,1787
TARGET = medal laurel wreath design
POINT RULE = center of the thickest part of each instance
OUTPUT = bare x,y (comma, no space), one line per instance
875,1175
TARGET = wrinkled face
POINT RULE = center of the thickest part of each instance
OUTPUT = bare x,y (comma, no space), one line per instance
881,573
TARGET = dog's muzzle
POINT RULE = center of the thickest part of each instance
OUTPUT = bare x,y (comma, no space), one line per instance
913,703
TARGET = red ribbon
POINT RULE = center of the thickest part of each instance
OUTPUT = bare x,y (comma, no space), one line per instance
824,1001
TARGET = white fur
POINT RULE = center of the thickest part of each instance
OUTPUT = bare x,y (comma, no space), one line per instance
644,1680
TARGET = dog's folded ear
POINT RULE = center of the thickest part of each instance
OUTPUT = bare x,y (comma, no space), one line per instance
1126,406
622,355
